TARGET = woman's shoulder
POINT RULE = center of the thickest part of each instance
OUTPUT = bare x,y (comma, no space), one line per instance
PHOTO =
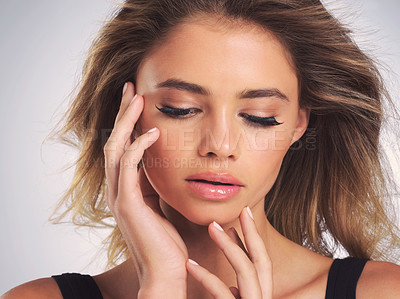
379,280
39,288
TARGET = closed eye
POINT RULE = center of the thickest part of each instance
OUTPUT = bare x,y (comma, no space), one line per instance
177,112
252,120
261,121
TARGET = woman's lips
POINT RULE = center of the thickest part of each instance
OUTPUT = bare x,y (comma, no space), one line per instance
213,191
214,185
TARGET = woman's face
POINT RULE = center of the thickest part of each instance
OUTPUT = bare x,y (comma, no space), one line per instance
221,77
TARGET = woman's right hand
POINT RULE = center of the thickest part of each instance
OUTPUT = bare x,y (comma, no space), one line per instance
155,246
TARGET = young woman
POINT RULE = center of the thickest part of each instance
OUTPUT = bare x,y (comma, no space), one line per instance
244,150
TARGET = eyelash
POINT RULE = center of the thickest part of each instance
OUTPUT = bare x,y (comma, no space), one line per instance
252,120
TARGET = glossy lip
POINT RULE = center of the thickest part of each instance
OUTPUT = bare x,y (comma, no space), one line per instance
216,177
214,192
211,191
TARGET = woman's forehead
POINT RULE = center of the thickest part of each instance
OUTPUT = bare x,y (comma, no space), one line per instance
197,52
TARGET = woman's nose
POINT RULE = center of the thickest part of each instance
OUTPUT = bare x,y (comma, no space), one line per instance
220,137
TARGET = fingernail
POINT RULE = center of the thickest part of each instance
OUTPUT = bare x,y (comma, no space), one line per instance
193,262
134,98
151,130
218,226
124,89
249,212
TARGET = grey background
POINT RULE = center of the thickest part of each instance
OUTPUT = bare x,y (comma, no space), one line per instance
43,46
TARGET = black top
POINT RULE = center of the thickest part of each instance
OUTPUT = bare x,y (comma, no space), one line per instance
342,281
343,278
77,286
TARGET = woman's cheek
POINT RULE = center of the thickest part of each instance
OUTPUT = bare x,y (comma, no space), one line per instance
264,140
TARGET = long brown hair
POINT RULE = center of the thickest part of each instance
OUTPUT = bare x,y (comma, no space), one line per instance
333,181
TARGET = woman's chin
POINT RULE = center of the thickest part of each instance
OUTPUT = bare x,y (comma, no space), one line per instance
209,217
202,216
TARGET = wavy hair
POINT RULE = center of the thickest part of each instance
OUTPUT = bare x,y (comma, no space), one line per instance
333,181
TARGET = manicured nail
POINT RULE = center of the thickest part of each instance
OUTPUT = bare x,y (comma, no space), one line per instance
193,262
151,130
249,212
134,98
124,89
218,226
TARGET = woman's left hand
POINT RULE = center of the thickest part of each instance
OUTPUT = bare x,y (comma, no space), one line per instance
253,266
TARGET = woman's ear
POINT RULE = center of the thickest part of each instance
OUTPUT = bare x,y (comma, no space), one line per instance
302,124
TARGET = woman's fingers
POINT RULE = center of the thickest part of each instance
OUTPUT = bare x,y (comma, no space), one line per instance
209,281
246,274
252,266
115,146
128,175
257,252
128,92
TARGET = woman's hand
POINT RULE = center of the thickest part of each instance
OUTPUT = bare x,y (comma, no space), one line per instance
253,267
153,242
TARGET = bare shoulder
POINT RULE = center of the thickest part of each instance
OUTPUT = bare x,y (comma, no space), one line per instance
35,289
379,280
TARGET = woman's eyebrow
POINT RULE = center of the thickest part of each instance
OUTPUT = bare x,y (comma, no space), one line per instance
185,86
263,93
246,94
